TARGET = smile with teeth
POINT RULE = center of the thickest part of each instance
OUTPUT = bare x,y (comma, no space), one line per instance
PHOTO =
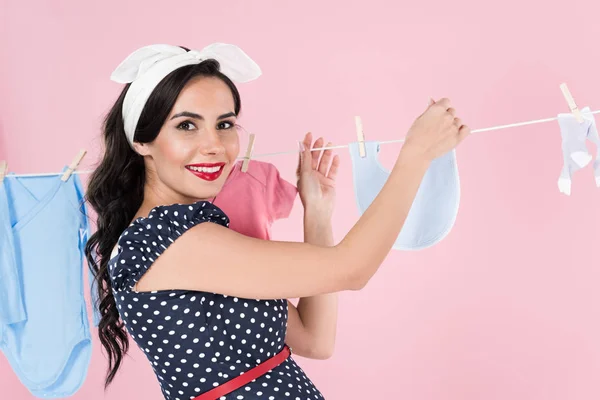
208,172
206,169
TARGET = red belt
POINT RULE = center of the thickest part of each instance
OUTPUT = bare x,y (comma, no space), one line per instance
246,377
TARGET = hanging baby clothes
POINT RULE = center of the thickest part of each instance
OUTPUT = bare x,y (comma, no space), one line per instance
255,199
49,351
252,200
435,207
12,309
575,152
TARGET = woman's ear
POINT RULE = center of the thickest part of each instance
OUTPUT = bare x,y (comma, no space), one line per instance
141,148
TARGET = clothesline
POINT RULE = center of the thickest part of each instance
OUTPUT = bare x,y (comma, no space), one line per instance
494,128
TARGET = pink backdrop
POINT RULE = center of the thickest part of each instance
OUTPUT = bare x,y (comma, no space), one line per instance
506,307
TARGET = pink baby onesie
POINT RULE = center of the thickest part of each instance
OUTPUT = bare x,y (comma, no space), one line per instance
255,199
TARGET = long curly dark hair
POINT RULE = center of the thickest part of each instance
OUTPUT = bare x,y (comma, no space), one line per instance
116,192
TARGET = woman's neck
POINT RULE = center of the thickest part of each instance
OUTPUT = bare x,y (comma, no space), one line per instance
154,197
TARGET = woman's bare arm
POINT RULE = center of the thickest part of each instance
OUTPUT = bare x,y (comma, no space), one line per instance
212,258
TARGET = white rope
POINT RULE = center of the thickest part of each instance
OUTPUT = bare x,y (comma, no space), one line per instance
494,128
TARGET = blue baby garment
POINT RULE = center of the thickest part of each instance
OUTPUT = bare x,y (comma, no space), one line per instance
49,351
576,156
435,207
12,309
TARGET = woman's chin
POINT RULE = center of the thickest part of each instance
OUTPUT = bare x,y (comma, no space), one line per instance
206,194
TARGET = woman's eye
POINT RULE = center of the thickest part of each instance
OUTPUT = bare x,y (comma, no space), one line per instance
186,126
225,125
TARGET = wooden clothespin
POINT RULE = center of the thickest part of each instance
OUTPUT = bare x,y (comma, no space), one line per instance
248,152
571,102
73,165
361,137
3,170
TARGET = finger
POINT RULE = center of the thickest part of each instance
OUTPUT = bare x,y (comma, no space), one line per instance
444,103
325,160
316,153
305,165
308,140
303,145
458,122
452,112
463,132
335,163
430,102
298,169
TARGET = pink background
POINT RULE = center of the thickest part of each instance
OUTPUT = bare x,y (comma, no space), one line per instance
506,307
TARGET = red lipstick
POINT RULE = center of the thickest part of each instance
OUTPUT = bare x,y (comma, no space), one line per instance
206,171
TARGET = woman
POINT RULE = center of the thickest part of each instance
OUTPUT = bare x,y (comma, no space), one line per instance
206,304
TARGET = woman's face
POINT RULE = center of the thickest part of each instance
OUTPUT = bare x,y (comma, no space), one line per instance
197,145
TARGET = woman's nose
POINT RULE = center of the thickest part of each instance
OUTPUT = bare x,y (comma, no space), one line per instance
211,143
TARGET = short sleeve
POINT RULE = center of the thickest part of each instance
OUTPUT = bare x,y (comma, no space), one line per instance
280,194
147,238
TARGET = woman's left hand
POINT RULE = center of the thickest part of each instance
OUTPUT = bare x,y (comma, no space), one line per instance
316,177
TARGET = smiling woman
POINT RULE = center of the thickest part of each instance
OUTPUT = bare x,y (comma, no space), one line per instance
184,146
207,305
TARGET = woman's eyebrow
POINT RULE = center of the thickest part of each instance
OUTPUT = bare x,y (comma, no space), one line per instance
187,114
200,117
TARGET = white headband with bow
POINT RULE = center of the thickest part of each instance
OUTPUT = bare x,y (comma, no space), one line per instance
147,66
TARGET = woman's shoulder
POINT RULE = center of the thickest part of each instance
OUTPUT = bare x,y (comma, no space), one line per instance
174,218
146,238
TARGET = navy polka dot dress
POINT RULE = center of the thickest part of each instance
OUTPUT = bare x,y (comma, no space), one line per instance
196,341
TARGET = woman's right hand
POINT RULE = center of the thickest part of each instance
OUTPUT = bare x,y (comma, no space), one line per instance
437,131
